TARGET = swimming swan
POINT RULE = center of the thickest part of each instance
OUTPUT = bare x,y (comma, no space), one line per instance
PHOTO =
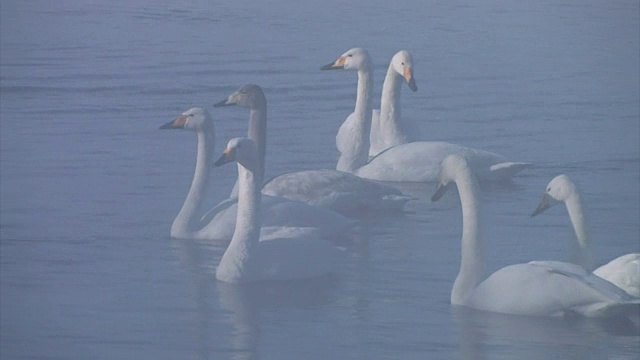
412,162
249,258
623,271
387,127
336,190
537,288
219,223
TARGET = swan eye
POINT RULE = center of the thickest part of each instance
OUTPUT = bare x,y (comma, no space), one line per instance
548,189
402,63
350,55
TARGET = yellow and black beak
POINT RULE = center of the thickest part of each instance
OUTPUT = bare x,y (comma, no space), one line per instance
178,123
229,101
227,156
338,64
408,76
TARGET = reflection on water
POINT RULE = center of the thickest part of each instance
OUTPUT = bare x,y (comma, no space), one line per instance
241,304
486,335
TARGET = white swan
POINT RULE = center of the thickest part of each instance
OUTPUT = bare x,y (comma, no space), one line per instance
336,190
412,162
249,258
220,222
538,288
623,271
387,127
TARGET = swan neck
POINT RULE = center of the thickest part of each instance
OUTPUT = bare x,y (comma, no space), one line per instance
249,198
357,154
236,261
579,221
258,133
472,260
390,107
185,222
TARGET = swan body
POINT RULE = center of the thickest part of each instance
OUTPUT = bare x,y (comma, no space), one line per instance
387,127
277,212
219,223
407,162
623,271
335,190
283,254
538,288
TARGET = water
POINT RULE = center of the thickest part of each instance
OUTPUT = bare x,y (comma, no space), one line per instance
89,185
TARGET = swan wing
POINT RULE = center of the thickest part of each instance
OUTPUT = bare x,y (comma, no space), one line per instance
279,212
623,272
340,191
548,288
420,162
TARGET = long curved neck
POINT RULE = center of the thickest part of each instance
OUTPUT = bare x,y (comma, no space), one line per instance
235,260
472,262
580,226
358,154
390,118
184,223
258,133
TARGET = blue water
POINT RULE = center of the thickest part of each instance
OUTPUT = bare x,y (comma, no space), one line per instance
89,186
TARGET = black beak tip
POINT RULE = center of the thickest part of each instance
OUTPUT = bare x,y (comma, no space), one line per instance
167,126
221,103
330,67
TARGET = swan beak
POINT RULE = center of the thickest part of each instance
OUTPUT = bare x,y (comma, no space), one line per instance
408,76
338,64
545,203
226,102
440,190
178,123
226,157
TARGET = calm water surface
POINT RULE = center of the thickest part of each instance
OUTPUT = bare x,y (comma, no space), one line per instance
90,187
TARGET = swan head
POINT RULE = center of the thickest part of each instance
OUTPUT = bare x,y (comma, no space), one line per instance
452,167
194,119
353,59
559,189
248,96
403,65
241,150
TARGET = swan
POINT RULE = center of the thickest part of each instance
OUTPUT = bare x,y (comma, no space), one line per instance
387,129
250,258
411,162
623,271
537,288
336,190
219,223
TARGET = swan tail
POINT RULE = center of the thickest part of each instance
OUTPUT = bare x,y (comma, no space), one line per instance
506,170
